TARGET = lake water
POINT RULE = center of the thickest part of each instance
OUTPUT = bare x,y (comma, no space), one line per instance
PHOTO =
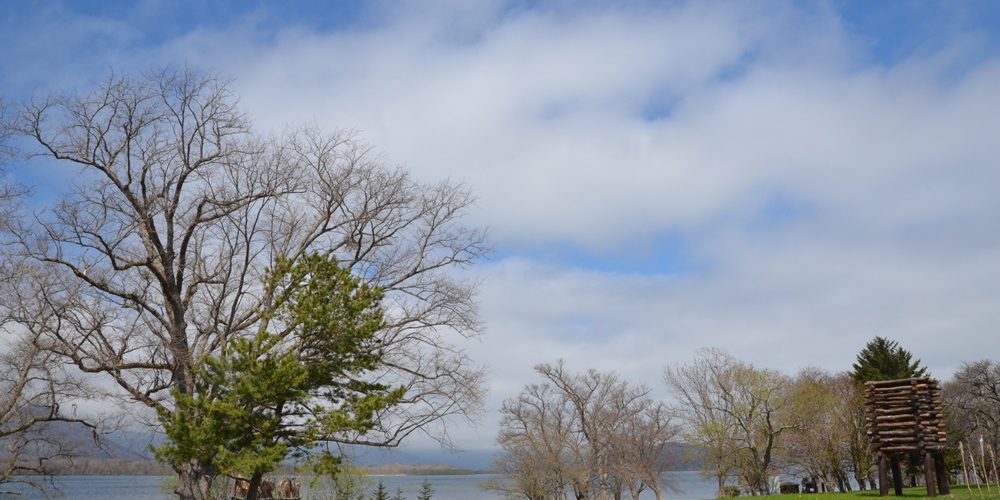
692,487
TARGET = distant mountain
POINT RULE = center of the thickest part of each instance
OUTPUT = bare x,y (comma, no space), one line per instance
681,455
685,457
466,459
82,442
119,444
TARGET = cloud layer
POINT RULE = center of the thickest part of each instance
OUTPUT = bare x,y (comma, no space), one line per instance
657,178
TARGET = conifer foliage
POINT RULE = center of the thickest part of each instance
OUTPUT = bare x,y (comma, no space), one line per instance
884,359
380,492
298,382
426,491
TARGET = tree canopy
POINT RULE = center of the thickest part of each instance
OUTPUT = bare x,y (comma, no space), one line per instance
426,491
293,385
884,359
149,270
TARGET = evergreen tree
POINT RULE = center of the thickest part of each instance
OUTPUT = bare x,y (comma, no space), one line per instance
426,492
349,483
301,380
380,492
399,494
884,359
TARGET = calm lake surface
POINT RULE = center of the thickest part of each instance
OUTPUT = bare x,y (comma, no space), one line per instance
691,484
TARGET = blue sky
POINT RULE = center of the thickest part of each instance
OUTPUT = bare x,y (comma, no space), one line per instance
781,179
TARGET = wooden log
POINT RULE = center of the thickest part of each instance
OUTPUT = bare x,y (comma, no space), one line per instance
899,432
881,409
897,475
890,425
929,475
884,393
883,480
942,474
898,416
888,383
893,388
891,411
893,397
892,405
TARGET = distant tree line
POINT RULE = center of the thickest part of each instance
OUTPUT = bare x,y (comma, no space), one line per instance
87,466
594,435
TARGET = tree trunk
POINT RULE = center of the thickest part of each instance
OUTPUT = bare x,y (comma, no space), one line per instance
193,481
254,488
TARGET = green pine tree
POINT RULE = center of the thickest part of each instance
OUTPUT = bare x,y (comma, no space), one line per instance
884,359
426,492
399,494
302,378
380,492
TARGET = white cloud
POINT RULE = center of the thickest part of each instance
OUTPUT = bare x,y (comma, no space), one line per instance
542,113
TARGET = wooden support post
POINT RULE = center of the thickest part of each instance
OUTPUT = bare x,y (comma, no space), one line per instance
965,471
929,474
883,479
897,475
941,471
975,472
993,458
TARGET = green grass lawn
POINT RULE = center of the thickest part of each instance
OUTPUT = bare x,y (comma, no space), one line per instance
957,491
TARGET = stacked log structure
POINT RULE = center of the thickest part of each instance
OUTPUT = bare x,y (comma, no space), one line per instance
905,418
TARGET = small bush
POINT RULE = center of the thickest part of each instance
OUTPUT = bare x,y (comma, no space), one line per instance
729,492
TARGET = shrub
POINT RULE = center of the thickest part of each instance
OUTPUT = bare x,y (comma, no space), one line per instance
729,492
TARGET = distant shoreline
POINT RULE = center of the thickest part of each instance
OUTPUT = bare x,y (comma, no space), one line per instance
416,470
155,469
121,467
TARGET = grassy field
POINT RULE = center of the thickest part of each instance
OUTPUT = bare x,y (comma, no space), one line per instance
957,491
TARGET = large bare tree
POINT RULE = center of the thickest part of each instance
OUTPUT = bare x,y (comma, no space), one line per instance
738,410
175,209
861,458
542,455
972,404
589,435
701,407
820,444
640,446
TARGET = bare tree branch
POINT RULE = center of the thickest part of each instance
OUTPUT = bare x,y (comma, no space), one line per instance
156,259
